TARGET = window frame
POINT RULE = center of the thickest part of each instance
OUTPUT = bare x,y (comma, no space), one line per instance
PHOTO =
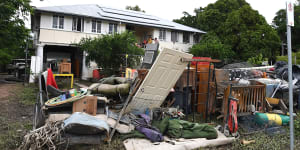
58,21
96,26
196,38
162,34
75,21
186,35
61,22
112,28
176,36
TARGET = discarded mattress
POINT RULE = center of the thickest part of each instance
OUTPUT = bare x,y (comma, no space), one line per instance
181,144
82,123
162,76
121,128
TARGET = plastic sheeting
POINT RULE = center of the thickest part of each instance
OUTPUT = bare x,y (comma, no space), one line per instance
82,123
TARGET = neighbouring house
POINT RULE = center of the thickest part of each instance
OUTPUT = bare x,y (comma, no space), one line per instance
57,28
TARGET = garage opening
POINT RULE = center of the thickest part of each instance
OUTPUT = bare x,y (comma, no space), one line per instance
54,55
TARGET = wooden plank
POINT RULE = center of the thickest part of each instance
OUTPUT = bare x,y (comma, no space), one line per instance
225,102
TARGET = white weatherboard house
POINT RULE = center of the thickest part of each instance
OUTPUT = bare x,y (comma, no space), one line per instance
57,28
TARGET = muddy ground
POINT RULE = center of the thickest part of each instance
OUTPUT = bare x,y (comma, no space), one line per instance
15,114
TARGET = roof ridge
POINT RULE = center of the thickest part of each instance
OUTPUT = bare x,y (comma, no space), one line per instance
115,14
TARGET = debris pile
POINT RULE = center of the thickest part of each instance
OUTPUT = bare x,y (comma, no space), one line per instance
155,105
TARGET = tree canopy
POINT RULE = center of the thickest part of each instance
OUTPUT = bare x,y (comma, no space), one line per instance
134,8
240,31
279,23
12,28
109,51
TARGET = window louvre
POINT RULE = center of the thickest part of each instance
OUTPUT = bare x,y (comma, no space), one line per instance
55,21
174,36
61,22
93,25
58,22
112,28
162,34
196,38
98,26
186,37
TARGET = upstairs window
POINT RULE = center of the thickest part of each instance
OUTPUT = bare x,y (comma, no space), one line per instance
186,37
196,38
113,28
77,24
174,36
96,26
58,22
162,34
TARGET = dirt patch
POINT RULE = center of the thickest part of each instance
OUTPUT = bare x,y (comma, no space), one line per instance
15,118
5,90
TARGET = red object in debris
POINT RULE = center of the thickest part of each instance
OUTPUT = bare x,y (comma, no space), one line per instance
199,63
96,74
272,69
50,79
232,120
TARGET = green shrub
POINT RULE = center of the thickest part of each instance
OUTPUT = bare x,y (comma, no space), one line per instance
257,60
211,46
285,58
109,51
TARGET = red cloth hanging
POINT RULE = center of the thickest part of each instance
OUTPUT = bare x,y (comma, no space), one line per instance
50,79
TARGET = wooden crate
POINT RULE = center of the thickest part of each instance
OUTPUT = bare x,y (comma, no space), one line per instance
87,104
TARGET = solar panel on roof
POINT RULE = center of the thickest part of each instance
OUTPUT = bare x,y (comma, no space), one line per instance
128,12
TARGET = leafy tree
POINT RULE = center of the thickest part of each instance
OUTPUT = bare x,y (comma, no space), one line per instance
279,23
12,28
211,46
135,8
241,31
187,19
109,51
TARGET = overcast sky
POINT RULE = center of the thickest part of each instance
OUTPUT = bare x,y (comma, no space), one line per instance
169,9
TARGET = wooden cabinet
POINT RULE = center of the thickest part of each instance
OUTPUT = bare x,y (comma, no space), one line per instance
87,104
64,67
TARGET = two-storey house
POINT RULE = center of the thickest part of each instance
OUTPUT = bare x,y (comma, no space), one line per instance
57,28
